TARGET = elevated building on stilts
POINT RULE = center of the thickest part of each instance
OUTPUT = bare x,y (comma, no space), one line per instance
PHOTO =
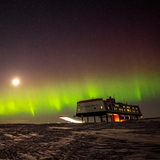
99,110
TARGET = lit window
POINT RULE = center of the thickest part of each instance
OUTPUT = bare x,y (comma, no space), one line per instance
128,110
128,107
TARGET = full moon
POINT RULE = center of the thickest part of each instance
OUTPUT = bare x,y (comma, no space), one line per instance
15,82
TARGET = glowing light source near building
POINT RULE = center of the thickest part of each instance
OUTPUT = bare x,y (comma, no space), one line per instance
68,119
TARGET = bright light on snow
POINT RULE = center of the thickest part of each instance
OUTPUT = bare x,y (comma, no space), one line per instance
68,119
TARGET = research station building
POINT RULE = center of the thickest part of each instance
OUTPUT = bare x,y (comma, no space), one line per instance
99,110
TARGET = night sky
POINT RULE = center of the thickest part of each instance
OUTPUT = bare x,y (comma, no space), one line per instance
65,51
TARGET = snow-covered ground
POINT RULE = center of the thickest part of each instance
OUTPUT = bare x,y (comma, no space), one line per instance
135,140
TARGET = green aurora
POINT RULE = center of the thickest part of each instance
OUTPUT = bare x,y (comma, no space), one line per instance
55,98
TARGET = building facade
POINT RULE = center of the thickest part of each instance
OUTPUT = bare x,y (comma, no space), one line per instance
106,110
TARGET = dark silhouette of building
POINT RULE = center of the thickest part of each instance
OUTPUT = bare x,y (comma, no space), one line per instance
107,110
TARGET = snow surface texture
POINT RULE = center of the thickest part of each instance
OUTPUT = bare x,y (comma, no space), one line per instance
113,141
